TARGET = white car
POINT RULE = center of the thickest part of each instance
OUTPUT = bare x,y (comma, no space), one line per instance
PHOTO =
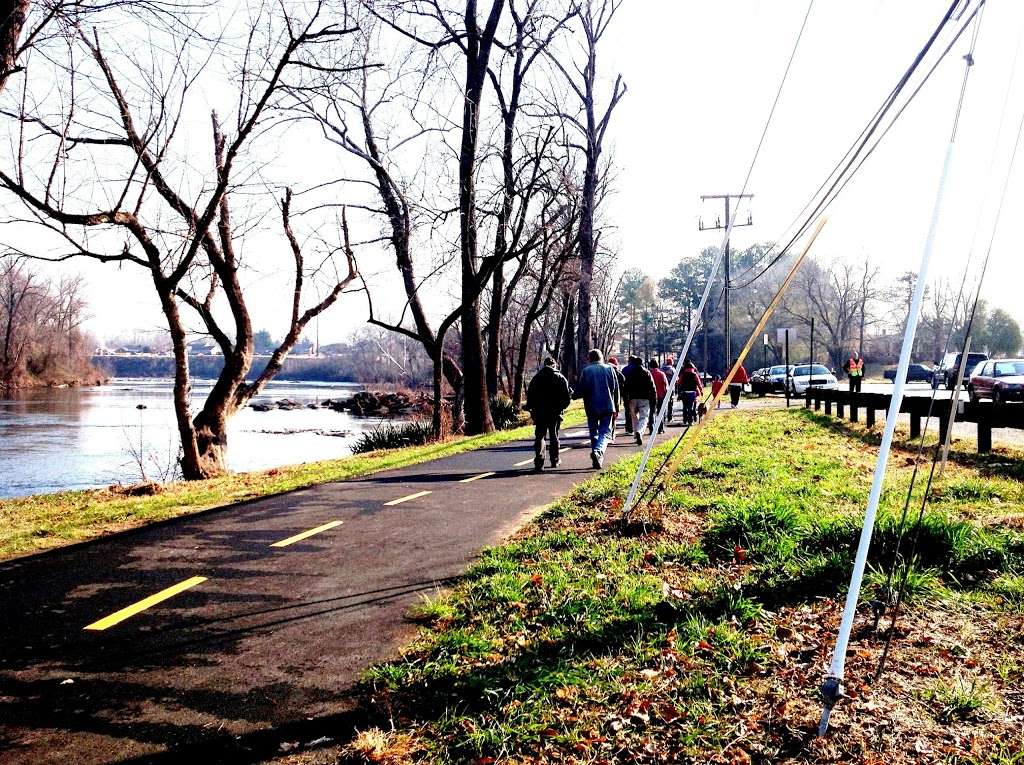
811,375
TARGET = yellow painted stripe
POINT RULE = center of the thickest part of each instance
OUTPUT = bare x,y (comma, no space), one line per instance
400,500
305,534
524,462
119,616
476,477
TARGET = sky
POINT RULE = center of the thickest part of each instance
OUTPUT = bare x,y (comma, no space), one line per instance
702,77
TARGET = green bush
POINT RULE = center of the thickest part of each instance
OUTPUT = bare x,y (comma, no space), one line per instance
504,413
390,436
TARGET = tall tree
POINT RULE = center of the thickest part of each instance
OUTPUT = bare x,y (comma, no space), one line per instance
591,121
142,207
1002,334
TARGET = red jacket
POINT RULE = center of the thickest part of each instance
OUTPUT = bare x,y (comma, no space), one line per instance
660,382
741,377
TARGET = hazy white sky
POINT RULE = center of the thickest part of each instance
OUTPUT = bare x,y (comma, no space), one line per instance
702,76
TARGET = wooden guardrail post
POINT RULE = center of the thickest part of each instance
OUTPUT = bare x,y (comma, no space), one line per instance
915,425
854,408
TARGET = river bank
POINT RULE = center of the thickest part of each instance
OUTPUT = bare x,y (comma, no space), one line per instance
82,437
44,521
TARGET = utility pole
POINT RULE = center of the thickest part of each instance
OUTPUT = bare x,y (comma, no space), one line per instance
727,198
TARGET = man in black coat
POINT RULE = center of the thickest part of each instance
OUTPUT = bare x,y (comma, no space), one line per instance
547,396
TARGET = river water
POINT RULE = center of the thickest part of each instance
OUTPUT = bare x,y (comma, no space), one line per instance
76,438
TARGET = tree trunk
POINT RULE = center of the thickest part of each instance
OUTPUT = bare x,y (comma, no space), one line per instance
494,326
584,333
570,356
478,48
13,14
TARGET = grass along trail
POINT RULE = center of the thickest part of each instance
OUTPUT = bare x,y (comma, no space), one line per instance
703,635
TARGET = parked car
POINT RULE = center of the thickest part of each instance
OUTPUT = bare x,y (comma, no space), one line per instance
811,375
777,377
998,379
948,368
915,373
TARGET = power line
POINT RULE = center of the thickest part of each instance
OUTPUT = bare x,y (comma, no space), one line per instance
858,152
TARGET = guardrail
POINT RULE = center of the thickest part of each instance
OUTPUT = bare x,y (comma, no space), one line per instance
985,414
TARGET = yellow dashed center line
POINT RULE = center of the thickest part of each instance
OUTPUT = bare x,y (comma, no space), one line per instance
400,500
524,462
119,616
476,477
306,534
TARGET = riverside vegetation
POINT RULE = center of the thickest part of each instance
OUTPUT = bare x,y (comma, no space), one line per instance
703,635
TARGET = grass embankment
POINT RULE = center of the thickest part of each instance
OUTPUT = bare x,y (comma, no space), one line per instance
705,636
50,520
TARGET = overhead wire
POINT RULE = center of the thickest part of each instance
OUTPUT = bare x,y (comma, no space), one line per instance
855,156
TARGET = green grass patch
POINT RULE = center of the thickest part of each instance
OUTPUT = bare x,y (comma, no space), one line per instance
50,520
580,641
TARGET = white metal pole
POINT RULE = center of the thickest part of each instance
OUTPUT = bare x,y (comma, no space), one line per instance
832,690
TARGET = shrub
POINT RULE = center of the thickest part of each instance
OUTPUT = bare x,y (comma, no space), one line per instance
390,436
504,413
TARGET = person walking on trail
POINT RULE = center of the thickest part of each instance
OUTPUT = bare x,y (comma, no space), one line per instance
639,393
669,368
627,422
739,379
660,391
598,386
547,396
716,387
691,388
854,368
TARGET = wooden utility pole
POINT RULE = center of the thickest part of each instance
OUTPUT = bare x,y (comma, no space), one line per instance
727,198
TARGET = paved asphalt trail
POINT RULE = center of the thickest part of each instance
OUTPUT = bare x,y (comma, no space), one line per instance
273,637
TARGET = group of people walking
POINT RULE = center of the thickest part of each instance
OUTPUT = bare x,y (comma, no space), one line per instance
638,389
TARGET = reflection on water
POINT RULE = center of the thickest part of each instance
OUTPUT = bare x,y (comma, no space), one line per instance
74,438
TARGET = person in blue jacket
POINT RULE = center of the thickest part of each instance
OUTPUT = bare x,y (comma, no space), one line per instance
598,386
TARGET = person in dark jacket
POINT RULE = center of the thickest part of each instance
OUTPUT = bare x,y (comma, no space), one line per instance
547,396
598,386
691,388
639,393
669,368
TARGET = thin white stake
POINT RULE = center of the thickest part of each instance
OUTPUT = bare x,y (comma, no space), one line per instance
832,690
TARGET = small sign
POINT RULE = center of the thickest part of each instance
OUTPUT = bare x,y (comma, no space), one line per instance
764,340
780,334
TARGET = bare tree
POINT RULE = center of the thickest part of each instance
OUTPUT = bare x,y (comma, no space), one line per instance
591,121
533,31
41,342
174,219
